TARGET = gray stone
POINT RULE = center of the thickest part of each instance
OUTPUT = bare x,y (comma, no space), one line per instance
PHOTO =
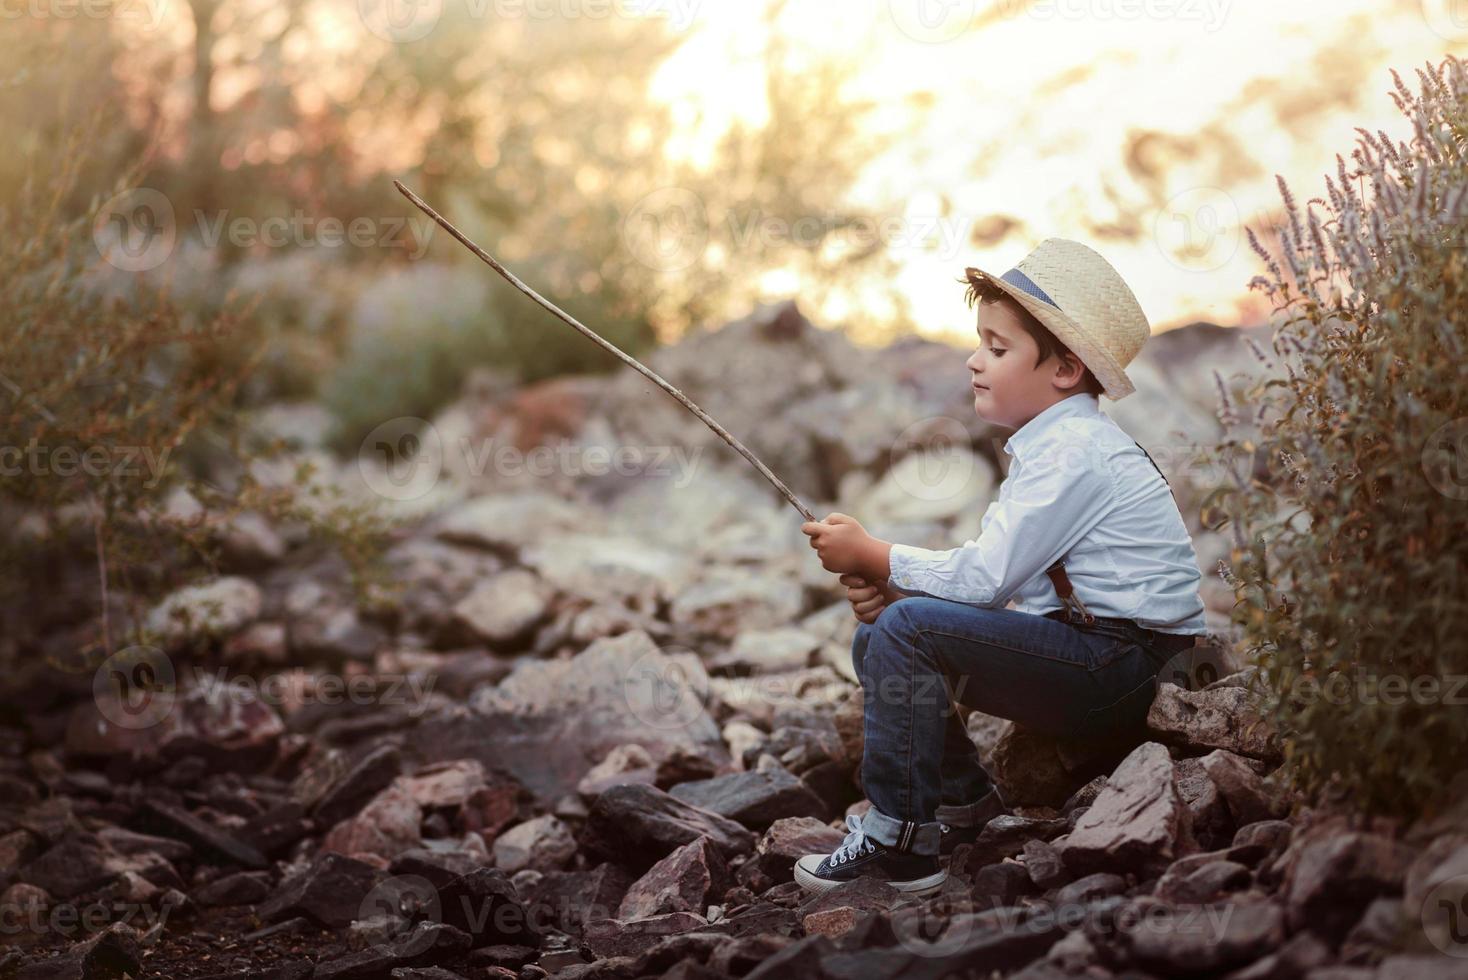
755,798
690,879
549,721
1138,822
1218,718
637,825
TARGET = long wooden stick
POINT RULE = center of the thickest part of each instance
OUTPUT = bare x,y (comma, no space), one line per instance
627,359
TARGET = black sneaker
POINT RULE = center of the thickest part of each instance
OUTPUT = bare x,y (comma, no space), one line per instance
986,808
861,857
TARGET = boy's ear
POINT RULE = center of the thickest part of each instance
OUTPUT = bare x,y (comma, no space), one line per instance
1069,370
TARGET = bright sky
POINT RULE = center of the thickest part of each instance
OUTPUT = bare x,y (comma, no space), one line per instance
1149,129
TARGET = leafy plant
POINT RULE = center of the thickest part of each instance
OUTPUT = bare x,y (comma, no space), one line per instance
1349,508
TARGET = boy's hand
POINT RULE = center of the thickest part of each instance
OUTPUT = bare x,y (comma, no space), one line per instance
867,600
844,546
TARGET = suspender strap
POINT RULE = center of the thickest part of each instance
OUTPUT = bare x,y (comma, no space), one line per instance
1075,609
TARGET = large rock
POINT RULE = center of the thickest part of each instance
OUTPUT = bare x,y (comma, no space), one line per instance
223,722
1206,939
786,842
324,622
1336,874
484,904
207,611
329,892
567,900
611,568
728,600
756,798
543,844
1249,800
351,791
386,827
1138,822
741,374
507,522
1214,718
637,825
503,609
549,722
688,880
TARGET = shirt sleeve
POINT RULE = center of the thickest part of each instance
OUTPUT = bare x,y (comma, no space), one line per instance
1053,501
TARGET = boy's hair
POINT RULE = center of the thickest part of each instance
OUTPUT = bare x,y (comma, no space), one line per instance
985,292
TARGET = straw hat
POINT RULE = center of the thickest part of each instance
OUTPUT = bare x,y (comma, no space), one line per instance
1085,303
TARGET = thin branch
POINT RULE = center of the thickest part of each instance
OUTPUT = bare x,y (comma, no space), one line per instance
627,359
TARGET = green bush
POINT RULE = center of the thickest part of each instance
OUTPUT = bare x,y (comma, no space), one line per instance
1349,507
414,335
113,394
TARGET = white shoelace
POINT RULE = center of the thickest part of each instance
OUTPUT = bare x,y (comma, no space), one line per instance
855,845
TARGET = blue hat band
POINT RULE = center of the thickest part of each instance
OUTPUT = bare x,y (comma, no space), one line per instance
1024,283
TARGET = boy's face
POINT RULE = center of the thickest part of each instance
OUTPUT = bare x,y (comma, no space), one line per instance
1009,387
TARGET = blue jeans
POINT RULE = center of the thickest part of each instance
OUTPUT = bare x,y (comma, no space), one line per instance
923,653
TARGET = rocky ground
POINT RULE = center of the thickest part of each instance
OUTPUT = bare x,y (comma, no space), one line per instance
600,714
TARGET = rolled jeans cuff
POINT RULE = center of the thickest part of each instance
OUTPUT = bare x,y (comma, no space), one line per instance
903,836
975,814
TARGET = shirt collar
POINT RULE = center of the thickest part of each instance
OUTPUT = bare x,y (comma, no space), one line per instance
1025,436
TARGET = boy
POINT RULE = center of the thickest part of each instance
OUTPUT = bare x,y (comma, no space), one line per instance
1085,536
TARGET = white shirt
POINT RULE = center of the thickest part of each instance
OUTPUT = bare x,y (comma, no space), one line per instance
1081,489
